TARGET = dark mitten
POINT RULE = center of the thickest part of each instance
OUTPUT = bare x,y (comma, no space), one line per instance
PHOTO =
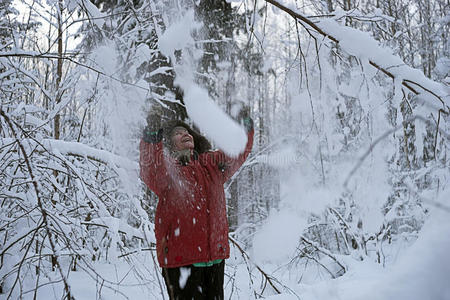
152,132
244,117
248,123
151,136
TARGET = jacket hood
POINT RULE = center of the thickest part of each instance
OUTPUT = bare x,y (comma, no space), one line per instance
201,144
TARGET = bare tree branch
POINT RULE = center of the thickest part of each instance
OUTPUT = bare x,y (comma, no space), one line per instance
405,82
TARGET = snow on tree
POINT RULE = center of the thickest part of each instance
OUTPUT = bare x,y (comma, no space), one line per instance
349,168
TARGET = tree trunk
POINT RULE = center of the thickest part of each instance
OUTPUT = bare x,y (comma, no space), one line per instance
57,125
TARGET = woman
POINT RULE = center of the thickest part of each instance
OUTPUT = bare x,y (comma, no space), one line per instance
191,224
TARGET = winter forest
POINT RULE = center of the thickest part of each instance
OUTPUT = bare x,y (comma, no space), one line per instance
345,195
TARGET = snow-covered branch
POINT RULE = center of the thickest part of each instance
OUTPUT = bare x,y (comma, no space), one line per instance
365,48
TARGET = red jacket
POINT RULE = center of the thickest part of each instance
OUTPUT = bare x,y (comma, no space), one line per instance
191,223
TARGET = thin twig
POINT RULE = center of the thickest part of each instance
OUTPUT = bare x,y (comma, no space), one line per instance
268,277
405,82
40,204
382,137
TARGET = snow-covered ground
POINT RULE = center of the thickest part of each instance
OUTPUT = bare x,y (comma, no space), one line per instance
418,272
417,266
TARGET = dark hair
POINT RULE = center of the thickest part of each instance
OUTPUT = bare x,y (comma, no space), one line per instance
201,144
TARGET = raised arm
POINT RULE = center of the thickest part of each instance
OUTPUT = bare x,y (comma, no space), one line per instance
153,170
229,165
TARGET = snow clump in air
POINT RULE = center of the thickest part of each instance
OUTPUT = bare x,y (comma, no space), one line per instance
226,133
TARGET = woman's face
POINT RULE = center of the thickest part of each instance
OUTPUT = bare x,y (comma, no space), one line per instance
181,139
